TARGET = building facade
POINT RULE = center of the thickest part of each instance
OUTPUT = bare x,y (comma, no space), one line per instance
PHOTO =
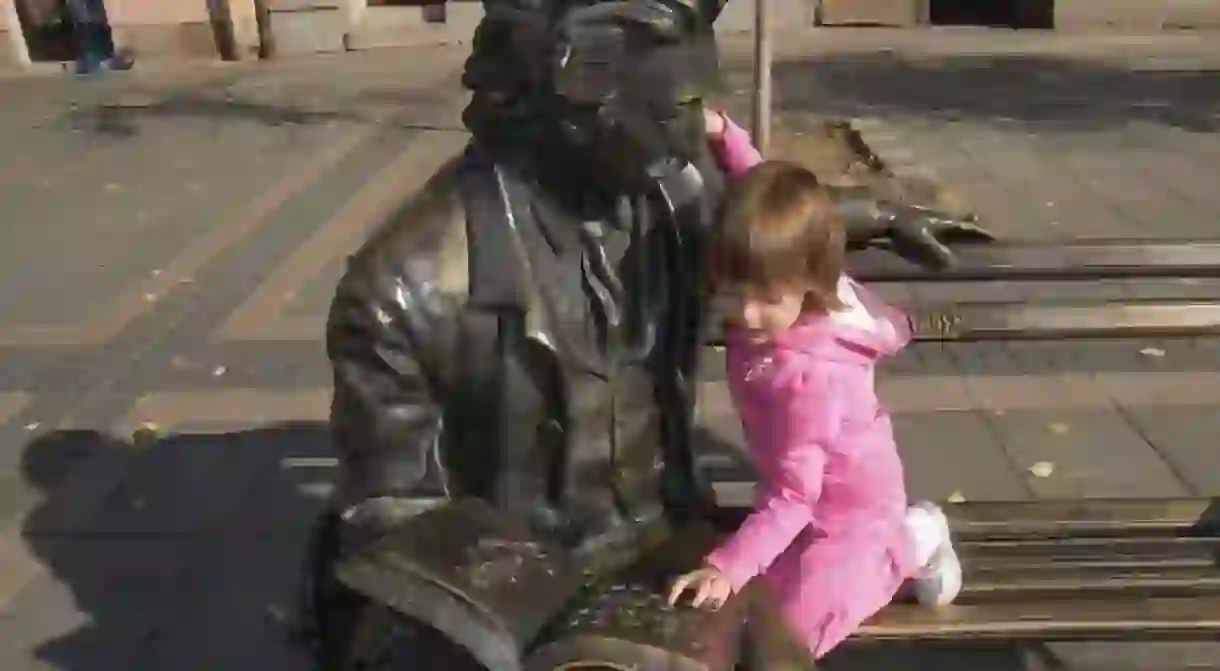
33,30
39,30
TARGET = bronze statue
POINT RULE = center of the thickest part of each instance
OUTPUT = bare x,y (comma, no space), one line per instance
514,357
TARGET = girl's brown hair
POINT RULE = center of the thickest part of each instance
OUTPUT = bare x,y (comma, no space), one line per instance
777,231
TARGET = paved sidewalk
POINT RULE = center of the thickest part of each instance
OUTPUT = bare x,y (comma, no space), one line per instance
171,240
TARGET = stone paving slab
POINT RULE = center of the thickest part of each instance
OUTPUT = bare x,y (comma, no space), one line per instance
966,439
1094,453
1186,437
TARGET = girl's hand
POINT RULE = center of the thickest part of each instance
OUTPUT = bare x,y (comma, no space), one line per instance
714,123
709,584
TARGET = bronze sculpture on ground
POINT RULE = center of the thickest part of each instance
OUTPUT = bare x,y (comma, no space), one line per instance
514,356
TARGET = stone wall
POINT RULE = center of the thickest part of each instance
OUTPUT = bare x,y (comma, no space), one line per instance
310,26
738,16
384,26
184,29
897,13
163,29
1137,15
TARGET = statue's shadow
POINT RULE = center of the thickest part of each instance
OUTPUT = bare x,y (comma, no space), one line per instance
1057,94
181,553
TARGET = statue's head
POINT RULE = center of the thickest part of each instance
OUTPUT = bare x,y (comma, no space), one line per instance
617,86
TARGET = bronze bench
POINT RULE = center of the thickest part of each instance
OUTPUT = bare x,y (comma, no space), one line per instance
944,321
1041,571
1078,260
1062,260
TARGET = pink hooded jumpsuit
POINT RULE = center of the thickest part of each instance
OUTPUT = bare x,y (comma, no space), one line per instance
827,534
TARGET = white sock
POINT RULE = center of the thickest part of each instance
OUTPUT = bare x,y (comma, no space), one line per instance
925,532
939,578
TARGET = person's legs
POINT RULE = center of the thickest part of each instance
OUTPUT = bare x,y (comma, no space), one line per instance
91,33
829,587
771,644
88,60
938,580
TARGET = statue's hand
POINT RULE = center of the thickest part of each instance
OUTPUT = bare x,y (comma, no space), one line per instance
371,519
923,236
917,234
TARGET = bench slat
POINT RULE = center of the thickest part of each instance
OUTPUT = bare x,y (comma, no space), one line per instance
1032,520
1060,619
972,322
1077,259
1095,552
1086,517
1040,583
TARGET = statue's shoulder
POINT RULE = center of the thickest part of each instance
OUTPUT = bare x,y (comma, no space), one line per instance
469,185
426,240
423,240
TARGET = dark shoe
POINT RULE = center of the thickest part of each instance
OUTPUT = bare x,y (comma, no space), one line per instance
121,61
89,65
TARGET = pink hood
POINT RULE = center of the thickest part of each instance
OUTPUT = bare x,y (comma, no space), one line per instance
834,340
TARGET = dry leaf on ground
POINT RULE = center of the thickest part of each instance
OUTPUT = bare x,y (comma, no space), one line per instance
1042,469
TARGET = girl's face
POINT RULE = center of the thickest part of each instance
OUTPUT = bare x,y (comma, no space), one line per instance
763,313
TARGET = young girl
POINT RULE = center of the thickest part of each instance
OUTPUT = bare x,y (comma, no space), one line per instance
831,533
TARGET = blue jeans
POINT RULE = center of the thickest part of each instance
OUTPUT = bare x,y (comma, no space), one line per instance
91,32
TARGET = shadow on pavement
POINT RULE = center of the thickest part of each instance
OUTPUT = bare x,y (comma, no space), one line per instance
1045,93
193,561
277,107
119,120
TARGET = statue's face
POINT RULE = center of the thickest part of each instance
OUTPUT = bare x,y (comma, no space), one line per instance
628,84
616,85
628,147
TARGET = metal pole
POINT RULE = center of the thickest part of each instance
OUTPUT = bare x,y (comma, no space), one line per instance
266,33
17,48
762,75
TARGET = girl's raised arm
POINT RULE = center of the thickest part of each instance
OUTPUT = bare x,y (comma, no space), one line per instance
735,151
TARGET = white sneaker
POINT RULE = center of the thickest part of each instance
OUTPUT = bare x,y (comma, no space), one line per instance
939,581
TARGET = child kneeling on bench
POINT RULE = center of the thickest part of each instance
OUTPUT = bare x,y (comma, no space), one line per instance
831,535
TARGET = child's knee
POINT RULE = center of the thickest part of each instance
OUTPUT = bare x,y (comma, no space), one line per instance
835,628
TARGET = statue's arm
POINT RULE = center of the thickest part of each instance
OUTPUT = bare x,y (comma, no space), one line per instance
389,338
920,235
705,10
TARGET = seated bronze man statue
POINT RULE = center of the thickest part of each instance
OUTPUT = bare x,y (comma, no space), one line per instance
514,356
